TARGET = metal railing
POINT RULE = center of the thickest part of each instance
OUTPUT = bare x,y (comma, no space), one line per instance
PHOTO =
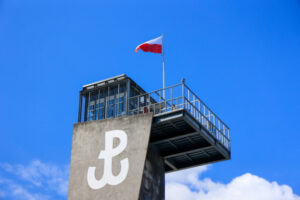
179,97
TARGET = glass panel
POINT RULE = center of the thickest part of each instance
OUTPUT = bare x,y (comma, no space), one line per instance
101,113
111,111
122,108
91,115
92,97
91,107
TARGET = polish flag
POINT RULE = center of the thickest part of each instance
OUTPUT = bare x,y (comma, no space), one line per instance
154,46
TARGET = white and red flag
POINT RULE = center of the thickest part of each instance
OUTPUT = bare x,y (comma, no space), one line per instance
154,46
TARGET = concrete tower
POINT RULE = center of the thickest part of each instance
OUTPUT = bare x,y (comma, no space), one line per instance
127,139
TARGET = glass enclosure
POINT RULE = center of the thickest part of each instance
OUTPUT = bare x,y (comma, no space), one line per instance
107,99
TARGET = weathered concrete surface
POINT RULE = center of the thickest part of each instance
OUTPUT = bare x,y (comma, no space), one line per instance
153,182
89,140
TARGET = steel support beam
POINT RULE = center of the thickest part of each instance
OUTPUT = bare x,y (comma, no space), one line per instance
172,137
170,165
186,152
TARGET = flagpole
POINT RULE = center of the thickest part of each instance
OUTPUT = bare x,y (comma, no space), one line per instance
163,65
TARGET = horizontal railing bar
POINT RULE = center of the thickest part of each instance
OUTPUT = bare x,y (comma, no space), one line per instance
155,91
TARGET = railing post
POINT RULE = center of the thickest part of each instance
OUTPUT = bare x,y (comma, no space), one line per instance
149,102
214,118
183,86
171,96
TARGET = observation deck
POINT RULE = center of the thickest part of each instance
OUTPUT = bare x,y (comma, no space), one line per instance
185,130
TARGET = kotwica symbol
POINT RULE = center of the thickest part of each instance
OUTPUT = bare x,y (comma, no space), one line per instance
106,155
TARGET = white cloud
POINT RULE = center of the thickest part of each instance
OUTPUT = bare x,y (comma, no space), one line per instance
34,181
187,185
19,192
188,176
12,190
42,181
42,175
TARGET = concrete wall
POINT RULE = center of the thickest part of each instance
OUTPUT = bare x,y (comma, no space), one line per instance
153,183
89,140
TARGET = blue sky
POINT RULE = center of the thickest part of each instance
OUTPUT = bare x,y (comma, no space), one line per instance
240,57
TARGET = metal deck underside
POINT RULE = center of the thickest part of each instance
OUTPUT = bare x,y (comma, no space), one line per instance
183,142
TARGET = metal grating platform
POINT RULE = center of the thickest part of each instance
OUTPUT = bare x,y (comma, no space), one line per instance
185,130
183,142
